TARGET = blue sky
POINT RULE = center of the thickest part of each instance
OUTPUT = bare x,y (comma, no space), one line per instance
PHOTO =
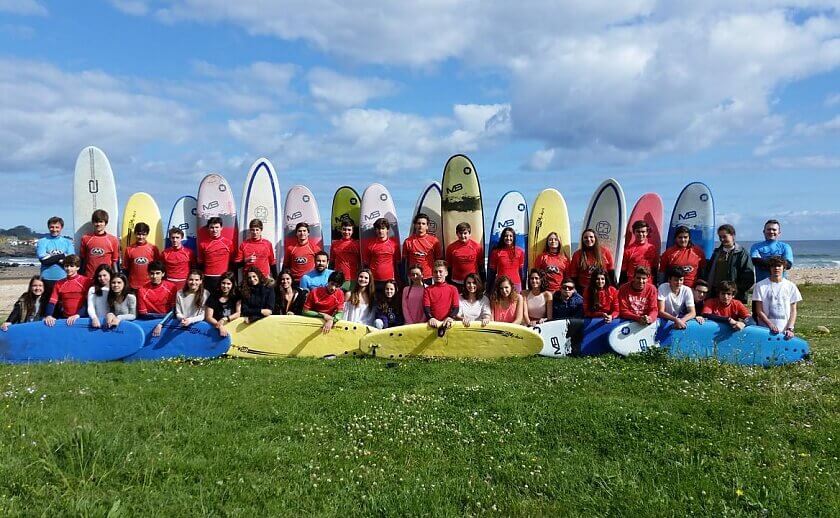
744,97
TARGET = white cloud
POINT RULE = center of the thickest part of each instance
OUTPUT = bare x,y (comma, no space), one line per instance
332,89
832,99
23,7
806,162
828,127
133,7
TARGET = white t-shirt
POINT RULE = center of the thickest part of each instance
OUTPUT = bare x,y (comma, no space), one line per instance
676,304
776,298
474,310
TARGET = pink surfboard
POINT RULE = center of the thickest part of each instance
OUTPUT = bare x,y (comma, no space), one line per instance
649,208
215,198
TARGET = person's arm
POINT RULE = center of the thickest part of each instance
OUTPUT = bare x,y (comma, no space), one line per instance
199,315
788,257
131,314
664,314
91,307
49,260
614,304
652,307
526,318
268,303
14,317
180,310
791,323
762,318
746,275
304,282
518,319
549,306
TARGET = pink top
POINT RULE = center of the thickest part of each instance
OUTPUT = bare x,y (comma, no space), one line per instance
412,304
501,314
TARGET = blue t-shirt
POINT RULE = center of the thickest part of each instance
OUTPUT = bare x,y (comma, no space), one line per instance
49,246
767,249
314,279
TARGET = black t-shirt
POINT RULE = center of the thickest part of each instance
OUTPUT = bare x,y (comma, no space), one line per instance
222,309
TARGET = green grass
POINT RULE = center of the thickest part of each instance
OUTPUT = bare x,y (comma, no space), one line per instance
604,436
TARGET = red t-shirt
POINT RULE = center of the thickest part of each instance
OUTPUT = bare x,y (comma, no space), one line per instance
555,267
136,261
156,299
345,257
72,293
215,255
264,251
736,309
299,259
382,258
178,263
322,301
581,275
692,260
508,261
422,250
440,298
640,255
633,304
607,303
464,259
96,250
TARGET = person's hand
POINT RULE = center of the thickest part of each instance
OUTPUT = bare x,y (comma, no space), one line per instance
4,326
679,324
773,329
607,318
466,322
700,320
94,322
645,320
222,331
72,319
788,334
49,321
447,323
485,321
185,322
739,325
156,331
328,324
542,321
434,323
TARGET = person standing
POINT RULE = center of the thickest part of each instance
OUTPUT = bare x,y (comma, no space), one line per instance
51,251
775,299
421,247
730,262
761,252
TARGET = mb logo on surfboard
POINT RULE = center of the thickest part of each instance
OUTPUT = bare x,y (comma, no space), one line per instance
293,216
373,215
455,188
688,215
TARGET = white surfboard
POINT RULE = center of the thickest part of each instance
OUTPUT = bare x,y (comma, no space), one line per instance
215,199
695,209
633,337
184,215
556,343
301,207
429,203
378,203
261,200
512,212
93,189
607,216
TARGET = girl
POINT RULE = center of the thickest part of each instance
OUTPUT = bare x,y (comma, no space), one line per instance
590,256
257,295
676,301
97,297
31,306
507,259
190,300
412,296
473,304
288,300
506,304
685,255
358,305
553,261
538,300
601,299
122,304
224,305
388,308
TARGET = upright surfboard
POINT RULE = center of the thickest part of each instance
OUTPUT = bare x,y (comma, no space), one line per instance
429,204
215,199
200,340
695,209
346,203
511,212
648,209
301,207
461,200
549,214
184,215
378,203
141,208
294,336
261,200
607,216
93,189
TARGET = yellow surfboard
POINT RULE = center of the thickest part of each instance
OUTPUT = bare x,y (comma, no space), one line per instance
549,214
294,336
497,340
141,207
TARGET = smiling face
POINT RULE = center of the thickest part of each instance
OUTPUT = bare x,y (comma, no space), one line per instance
103,277
36,287
253,278
55,229
321,262
726,239
117,285
505,289
363,279
347,231
302,235
155,276
588,239
390,290
464,236
772,231
600,280
553,243
535,281
508,237
71,270
440,274
285,280
641,235
215,230
193,282
470,285
676,283
226,286
682,239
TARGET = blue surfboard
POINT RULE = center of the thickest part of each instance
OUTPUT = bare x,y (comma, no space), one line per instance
576,336
200,340
695,209
183,216
512,212
35,342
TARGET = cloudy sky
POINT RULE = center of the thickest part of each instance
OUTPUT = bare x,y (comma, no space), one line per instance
744,96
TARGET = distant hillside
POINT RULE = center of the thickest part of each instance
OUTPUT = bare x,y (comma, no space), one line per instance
21,232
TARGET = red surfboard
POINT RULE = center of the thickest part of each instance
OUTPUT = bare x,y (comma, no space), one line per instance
649,208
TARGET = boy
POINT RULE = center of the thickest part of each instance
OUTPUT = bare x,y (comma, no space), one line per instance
178,260
299,256
676,300
775,298
69,294
215,254
440,300
726,308
99,247
700,292
567,303
690,257
421,247
320,275
256,251
637,298
465,255
156,299
730,262
137,257
381,254
345,256
761,252
326,302
51,251
640,252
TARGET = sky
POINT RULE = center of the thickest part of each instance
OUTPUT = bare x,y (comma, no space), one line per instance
741,95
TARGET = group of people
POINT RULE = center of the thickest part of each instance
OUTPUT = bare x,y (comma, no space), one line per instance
382,283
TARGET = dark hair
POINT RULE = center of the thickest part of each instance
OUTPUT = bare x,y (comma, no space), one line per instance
420,215
460,227
381,223
640,224
97,289
543,280
592,290
175,230
198,301
336,277
497,288
641,270
232,278
479,286
301,225
156,266
55,219
727,287
215,220
776,260
255,223
701,282
501,243
389,304
280,301
726,227
246,287
117,298
676,272
141,228
370,290
321,252
99,215
560,249
773,222
346,221
27,300
596,250
72,260
438,263
682,229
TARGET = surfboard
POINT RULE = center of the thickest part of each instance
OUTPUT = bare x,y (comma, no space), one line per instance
261,200
200,340
632,337
695,209
35,342
461,200
184,216
576,336
549,214
93,188
346,203
301,207
378,203
141,208
215,199
649,209
497,340
512,211
294,336
606,215
429,204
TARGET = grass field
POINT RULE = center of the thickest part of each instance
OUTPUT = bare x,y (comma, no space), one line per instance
604,436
